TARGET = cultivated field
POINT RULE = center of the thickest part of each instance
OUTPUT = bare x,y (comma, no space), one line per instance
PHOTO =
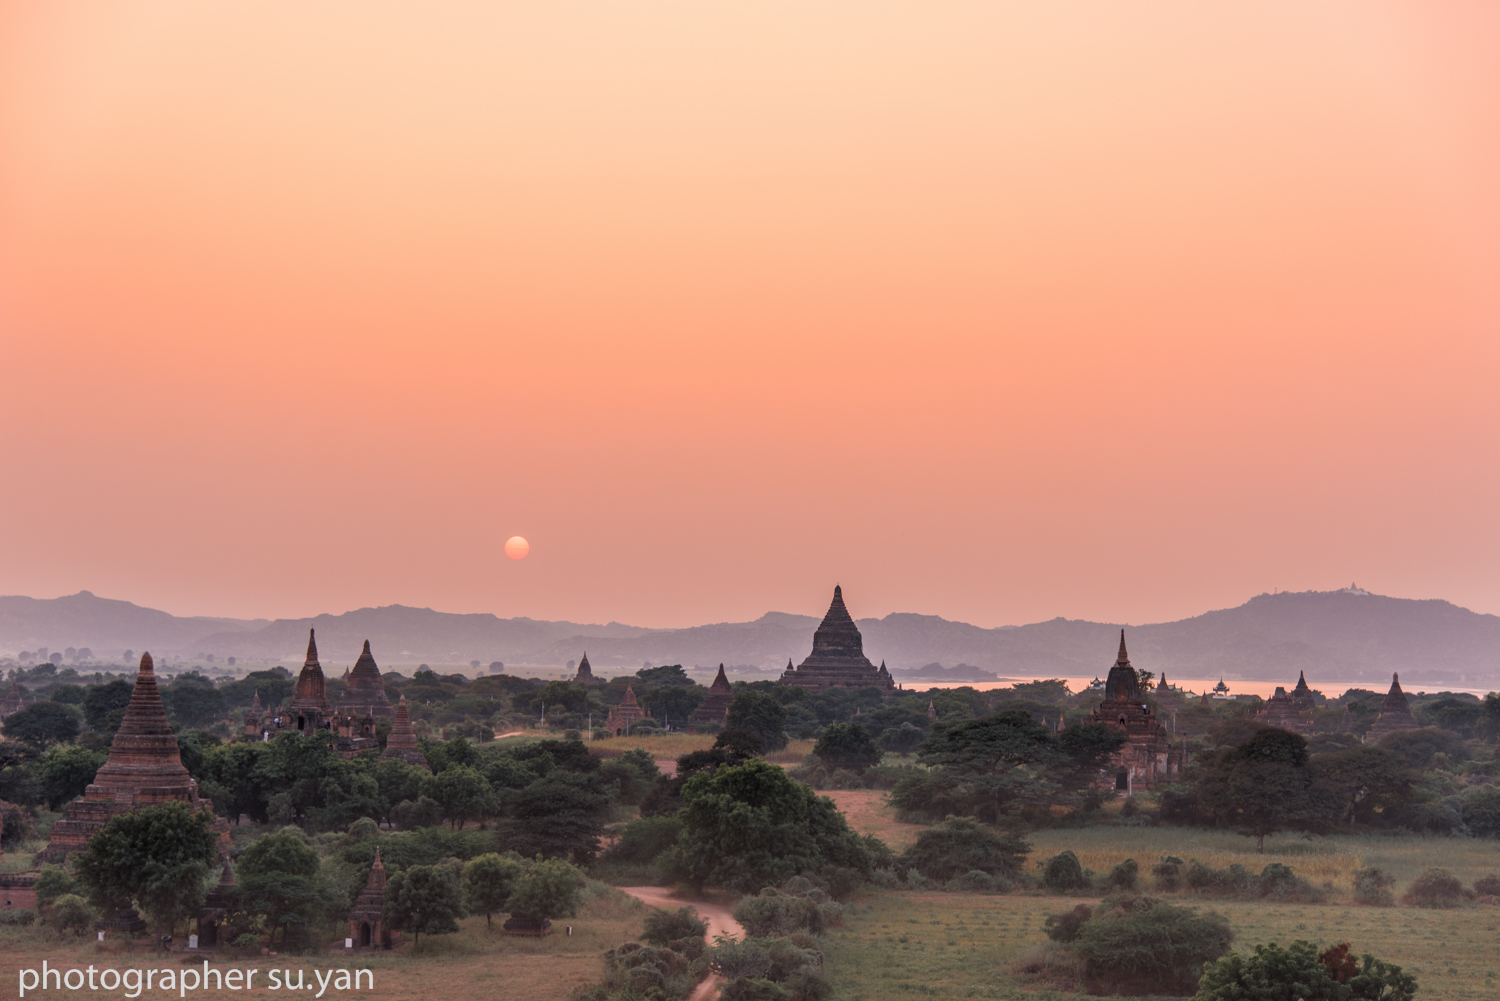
903,945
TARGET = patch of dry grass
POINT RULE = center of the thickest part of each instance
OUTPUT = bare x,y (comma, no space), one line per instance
868,813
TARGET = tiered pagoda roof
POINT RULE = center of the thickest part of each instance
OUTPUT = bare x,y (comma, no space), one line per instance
309,705
402,740
585,675
365,694
1395,713
838,657
714,708
144,768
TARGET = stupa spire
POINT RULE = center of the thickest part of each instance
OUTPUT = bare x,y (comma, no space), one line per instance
402,741
312,649
1124,658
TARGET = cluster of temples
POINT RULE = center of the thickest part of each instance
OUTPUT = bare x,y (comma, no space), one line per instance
309,708
1147,757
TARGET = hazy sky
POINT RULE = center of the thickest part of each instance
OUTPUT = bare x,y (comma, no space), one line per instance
993,311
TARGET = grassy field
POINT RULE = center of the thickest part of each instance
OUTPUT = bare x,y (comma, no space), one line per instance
903,945
475,962
669,746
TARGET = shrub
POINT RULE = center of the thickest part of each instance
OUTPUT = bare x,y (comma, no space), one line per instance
975,881
1065,927
798,906
1487,886
1272,973
1233,880
644,839
51,884
1062,873
961,845
71,913
662,927
21,917
847,746
1125,876
1435,888
1372,888
1278,882
1167,874
1157,949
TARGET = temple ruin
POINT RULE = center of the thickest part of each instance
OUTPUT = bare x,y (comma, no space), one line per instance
715,708
1395,713
1147,757
838,658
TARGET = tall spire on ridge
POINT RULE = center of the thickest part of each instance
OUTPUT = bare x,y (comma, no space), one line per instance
1124,658
312,649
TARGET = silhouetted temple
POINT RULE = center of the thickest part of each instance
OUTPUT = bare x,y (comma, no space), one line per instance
1302,696
1146,758
144,769
309,706
401,742
1395,713
585,675
838,657
1281,712
716,706
365,695
367,916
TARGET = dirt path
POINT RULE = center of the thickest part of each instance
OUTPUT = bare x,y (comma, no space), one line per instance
718,918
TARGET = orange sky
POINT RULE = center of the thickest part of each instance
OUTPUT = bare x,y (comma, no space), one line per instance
993,311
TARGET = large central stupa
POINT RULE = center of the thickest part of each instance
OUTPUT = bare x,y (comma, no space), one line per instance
838,656
144,768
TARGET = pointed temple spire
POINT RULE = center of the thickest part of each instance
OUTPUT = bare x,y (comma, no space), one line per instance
402,741
629,695
715,707
312,649
1124,658
585,675
838,657
1123,684
1395,713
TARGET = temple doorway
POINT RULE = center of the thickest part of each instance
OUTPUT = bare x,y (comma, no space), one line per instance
364,934
1122,781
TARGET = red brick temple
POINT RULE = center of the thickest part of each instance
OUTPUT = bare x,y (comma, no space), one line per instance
1395,713
623,715
402,741
1147,758
365,695
144,769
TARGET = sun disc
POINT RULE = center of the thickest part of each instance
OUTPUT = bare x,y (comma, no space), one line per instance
516,547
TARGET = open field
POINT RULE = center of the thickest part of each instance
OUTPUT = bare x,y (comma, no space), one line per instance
867,813
668,746
902,945
475,962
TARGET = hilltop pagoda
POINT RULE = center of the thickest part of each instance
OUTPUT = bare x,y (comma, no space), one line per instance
1146,758
838,657
402,741
365,694
144,769
715,708
1395,713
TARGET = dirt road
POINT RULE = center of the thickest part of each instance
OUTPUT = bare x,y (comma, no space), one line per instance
718,918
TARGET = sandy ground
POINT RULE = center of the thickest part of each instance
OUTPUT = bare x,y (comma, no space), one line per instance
720,922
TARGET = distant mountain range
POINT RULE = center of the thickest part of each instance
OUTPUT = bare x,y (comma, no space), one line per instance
1349,635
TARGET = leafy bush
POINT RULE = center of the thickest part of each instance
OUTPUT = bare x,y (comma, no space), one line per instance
1157,949
1062,873
634,970
662,927
1272,973
1372,888
1167,874
975,881
53,883
644,839
71,913
1435,888
1487,886
847,746
1066,926
961,845
1278,882
21,917
1125,876
797,906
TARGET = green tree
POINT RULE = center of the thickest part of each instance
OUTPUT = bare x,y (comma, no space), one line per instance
573,698
488,882
749,825
673,703
157,856
1300,973
761,714
1267,786
1363,780
984,768
232,776
847,745
193,701
68,695
52,883
101,700
424,899
71,913
902,739
399,782
67,769
559,815
279,881
960,845
549,889
463,792
41,724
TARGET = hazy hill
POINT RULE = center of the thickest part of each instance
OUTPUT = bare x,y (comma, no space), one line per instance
1346,635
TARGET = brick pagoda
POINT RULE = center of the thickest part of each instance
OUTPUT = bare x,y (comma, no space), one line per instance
309,708
365,694
838,657
716,706
144,769
1395,713
402,740
1146,758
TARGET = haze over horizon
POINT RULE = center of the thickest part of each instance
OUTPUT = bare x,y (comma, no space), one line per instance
999,314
